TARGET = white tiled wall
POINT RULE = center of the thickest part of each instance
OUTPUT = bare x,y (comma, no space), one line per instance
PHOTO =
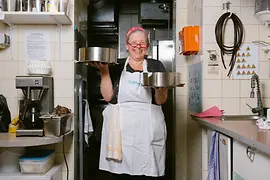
232,95
181,97
192,12
226,89
63,72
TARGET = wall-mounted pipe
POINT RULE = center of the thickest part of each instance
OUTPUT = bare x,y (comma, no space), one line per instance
262,42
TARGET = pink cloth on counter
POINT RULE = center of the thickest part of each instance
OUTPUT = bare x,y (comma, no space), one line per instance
211,112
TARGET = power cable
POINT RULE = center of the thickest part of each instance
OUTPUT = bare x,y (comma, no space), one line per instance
238,38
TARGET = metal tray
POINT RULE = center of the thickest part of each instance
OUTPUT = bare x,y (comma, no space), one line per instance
89,61
169,87
161,79
97,54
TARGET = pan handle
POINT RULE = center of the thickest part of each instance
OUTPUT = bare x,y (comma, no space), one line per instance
180,85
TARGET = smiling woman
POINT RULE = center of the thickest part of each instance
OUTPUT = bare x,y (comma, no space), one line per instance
137,44
134,131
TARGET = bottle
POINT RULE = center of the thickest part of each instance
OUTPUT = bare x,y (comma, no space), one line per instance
54,6
24,5
38,5
47,5
34,9
1,5
18,5
42,8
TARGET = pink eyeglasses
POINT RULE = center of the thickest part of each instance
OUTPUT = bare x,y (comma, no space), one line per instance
141,45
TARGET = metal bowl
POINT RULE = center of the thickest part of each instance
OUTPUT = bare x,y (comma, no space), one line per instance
161,79
97,54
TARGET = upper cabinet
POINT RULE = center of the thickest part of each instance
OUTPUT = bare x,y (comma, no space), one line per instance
35,12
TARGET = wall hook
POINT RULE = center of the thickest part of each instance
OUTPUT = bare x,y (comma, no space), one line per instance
227,6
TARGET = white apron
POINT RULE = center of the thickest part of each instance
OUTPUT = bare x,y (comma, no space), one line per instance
143,129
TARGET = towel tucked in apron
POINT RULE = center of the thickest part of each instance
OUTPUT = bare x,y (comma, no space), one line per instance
133,140
114,144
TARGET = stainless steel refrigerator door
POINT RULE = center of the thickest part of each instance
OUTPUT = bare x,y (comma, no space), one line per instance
225,156
80,93
164,52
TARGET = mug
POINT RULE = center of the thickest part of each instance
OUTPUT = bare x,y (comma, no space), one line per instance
266,112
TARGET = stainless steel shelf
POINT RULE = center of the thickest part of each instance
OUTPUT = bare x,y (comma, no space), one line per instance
10,140
35,18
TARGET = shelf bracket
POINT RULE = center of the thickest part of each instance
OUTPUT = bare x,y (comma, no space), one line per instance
59,38
11,30
60,41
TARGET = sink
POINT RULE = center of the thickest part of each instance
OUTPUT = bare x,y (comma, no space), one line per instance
239,117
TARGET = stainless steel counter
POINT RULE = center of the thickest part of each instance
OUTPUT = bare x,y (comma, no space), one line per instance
10,140
244,131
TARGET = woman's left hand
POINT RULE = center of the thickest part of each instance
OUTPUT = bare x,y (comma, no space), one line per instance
161,95
161,90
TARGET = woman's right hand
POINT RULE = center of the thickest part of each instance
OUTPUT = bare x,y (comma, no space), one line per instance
103,67
106,86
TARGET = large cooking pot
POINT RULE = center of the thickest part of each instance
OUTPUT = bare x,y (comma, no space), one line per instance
98,54
161,79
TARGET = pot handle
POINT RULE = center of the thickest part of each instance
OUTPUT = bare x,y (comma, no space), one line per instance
150,74
180,85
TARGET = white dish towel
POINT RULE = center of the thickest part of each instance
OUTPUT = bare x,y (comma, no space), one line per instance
88,126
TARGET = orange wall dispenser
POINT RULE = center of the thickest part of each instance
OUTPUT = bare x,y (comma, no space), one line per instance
189,40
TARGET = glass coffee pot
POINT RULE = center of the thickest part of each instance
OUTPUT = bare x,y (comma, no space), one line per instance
31,114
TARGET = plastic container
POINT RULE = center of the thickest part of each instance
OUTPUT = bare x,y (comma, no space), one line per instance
37,163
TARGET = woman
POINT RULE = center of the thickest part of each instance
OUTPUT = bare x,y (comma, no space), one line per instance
134,130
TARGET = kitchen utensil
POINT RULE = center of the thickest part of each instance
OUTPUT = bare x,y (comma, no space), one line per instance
161,79
98,54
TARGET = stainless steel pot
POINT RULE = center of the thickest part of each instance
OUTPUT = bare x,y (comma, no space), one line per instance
98,54
161,79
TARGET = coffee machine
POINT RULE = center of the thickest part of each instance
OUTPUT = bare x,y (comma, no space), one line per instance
38,100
